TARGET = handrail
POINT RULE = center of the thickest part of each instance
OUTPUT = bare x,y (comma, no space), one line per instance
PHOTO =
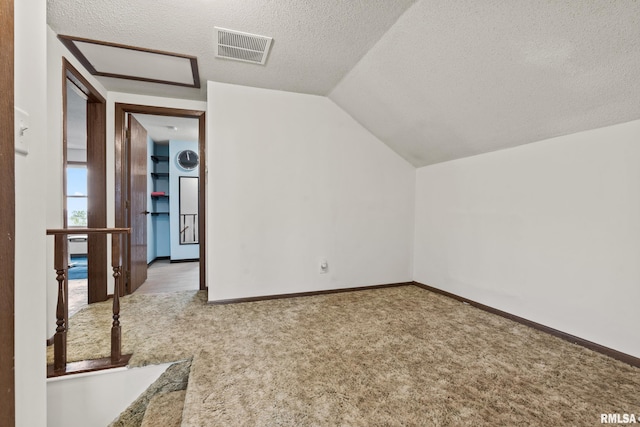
60,366
54,231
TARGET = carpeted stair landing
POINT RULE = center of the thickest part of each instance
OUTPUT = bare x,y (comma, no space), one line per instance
162,403
165,409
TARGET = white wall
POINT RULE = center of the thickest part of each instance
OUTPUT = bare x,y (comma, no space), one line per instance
31,196
97,398
178,251
548,231
293,179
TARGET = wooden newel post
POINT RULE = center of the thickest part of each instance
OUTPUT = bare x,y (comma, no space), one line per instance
116,263
60,337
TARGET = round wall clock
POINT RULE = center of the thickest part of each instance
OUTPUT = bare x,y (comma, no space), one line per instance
188,159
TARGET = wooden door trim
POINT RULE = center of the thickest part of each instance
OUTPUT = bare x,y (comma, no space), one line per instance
81,82
7,217
122,181
97,188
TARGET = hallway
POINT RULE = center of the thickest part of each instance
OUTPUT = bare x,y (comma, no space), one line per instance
162,276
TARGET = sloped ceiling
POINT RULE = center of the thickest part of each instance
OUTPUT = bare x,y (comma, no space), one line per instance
456,78
435,80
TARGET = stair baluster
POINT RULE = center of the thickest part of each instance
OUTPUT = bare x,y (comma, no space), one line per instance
116,262
117,359
60,338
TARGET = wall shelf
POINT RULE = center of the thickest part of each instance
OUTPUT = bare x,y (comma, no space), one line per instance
158,183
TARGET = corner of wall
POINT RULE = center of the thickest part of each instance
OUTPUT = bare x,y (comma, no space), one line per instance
304,182
30,84
546,231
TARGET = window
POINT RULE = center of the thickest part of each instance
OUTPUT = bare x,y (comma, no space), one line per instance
76,195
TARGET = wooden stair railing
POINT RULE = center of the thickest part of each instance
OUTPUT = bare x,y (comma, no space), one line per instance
60,366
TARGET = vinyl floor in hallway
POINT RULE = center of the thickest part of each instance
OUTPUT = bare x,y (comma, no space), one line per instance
162,276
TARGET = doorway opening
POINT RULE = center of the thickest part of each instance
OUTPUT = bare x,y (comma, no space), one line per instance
158,150
84,188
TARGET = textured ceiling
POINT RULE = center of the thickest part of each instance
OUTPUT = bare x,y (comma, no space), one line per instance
456,78
436,80
315,42
162,129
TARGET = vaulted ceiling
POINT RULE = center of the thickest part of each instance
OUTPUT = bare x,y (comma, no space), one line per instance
435,80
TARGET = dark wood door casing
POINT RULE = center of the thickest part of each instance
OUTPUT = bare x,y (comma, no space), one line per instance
122,171
7,217
97,262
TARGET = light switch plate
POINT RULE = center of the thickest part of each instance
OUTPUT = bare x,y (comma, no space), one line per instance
22,132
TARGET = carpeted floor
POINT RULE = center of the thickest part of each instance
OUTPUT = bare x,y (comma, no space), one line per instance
395,356
173,380
78,295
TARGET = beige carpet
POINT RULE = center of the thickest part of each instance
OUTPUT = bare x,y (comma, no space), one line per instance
78,295
396,356
164,410
148,406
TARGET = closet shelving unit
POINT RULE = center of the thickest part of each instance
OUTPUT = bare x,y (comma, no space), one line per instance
157,177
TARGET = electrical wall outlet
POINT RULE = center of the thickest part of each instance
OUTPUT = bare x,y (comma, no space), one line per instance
324,266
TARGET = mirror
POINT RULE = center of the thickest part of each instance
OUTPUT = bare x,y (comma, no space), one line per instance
189,210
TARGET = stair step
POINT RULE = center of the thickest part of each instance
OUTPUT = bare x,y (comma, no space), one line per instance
175,378
192,412
165,409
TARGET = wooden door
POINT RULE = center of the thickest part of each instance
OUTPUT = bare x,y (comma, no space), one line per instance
97,200
138,204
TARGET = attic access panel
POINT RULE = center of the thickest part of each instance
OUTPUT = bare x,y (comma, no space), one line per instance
239,46
134,63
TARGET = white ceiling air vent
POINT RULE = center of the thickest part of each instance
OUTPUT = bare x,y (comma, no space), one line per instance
242,46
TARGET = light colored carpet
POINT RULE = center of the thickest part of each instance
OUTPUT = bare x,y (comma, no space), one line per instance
174,379
78,295
396,356
165,410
